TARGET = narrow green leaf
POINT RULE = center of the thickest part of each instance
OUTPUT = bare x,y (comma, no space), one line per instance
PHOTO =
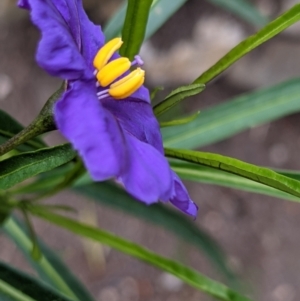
179,121
50,268
5,210
10,293
176,96
207,175
184,273
45,181
258,174
9,127
109,194
162,10
21,287
134,28
18,168
294,174
269,31
4,214
234,116
243,9
155,91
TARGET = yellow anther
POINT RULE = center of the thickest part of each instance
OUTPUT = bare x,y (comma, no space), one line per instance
113,70
127,85
106,52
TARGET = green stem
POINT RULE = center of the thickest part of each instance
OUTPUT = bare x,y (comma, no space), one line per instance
43,123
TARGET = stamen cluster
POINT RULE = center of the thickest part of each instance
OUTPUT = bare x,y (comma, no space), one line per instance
107,72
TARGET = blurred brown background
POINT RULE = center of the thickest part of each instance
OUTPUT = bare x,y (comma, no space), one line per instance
259,234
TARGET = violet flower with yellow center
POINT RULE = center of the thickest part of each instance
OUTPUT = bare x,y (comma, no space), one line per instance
105,111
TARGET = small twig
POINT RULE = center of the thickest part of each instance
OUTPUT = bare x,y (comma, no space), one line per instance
43,123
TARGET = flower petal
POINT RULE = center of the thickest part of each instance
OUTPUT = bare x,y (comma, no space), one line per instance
57,52
148,176
141,94
181,198
23,4
69,40
92,130
137,118
92,37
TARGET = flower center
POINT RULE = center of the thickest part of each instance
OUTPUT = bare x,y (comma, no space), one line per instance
107,73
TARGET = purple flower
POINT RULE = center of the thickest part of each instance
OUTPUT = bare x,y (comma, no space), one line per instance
117,135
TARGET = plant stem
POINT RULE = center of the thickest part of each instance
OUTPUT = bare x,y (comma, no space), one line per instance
43,123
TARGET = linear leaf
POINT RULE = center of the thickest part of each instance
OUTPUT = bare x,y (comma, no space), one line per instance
179,121
176,96
207,175
184,273
243,112
5,209
111,195
134,28
49,267
9,127
45,181
258,174
269,31
21,167
243,9
162,10
294,174
16,285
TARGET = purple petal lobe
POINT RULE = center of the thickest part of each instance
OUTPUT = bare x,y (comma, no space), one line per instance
23,4
92,37
181,198
142,94
148,176
57,52
137,118
69,40
92,130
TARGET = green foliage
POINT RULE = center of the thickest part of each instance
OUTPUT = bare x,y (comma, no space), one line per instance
134,28
21,167
244,9
184,273
204,174
45,181
17,286
109,194
181,121
9,127
176,96
244,112
258,174
269,31
49,267
5,208
162,10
